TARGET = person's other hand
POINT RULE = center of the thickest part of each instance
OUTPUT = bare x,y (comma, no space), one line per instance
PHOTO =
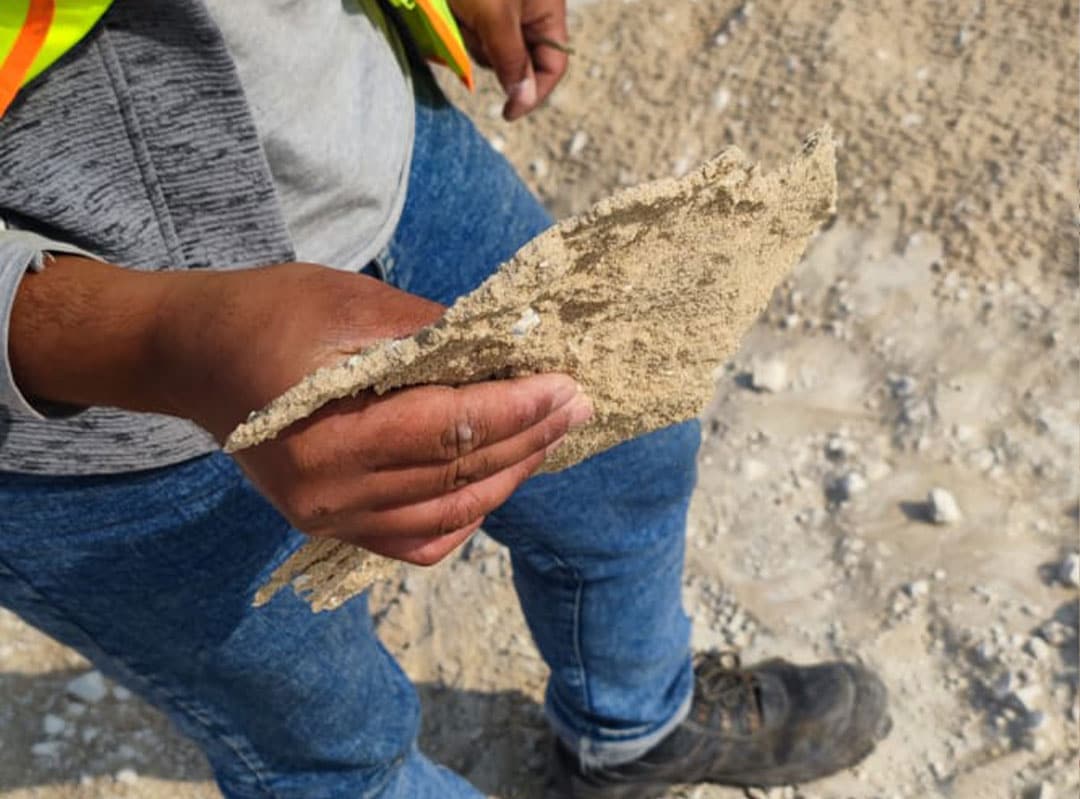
410,474
513,38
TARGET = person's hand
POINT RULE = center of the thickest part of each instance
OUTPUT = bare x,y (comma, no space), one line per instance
513,37
409,475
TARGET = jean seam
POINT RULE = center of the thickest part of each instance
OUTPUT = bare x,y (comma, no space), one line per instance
579,590
253,764
578,593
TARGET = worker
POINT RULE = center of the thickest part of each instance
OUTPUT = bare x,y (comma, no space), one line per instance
201,202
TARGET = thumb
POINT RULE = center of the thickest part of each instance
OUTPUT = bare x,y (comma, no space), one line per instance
504,44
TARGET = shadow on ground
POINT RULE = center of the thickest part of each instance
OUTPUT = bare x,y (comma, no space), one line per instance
496,739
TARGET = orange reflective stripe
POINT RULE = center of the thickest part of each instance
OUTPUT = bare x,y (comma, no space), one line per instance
449,39
39,16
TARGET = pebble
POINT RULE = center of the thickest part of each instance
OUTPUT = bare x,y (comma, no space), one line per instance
1044,791
721,98
46,748
917,588
903,386
943,507
838,448
1054,632
89,688
1068,572
850,484
53,725
120,693
752,469
526,323
1037,648
1028,697
578,142
770,376
539,168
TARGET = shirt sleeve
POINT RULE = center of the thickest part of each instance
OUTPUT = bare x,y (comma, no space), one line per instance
20,252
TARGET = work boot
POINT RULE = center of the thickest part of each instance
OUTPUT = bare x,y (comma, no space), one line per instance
772,724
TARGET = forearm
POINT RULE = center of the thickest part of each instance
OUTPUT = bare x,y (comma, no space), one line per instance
86,333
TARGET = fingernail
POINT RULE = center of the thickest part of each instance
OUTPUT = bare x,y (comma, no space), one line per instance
567,390
581,411
524,92
554,445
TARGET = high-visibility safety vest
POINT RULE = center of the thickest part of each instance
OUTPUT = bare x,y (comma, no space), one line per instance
35,33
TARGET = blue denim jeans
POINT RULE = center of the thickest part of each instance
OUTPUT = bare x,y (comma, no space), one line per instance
151,574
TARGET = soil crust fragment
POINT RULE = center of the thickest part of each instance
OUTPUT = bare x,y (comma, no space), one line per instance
641,299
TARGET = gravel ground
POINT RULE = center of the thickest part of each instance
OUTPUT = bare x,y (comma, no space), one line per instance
891,465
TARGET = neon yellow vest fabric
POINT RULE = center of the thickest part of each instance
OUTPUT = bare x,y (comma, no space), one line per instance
35,33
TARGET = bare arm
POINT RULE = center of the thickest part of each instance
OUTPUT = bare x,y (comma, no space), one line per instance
409,475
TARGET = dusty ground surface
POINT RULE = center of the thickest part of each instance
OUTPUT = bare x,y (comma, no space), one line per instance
931,339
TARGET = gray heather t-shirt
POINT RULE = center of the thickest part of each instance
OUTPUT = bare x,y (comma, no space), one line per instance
327,83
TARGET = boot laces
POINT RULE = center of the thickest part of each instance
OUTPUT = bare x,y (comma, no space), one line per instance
722,682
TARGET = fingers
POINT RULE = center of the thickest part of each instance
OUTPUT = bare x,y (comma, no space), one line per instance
437,425
396,487
549,63
437,519
418,550
506,51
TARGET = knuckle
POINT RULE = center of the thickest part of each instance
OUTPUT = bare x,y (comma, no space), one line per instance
467,429
452,475
310,514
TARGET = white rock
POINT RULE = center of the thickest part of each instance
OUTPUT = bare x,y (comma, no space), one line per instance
578,142
1037,648
46,748
770,376
721,98
1069,570
752,469
917,588
53,725
851,484
128,776
539,168
838,448
526,323
1028,697
943,507
120,693
89,687
1044,791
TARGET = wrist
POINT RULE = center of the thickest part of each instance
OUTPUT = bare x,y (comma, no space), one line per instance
82,332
